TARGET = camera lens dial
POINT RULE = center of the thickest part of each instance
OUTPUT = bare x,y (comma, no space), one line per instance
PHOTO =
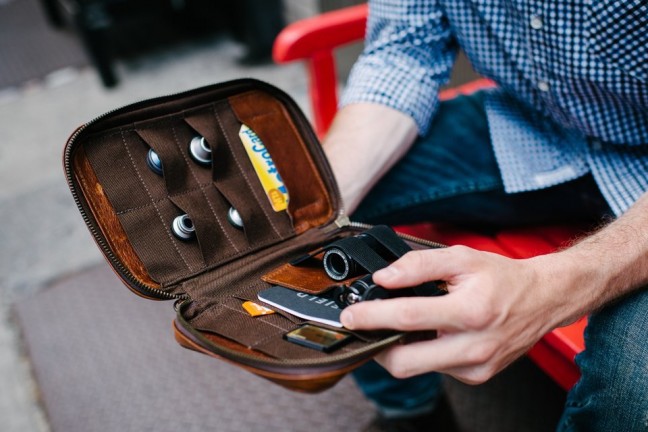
337,264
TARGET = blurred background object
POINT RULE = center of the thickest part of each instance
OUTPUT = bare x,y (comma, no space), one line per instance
109,28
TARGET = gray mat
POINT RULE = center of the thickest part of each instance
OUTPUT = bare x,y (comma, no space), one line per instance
105,360
29,47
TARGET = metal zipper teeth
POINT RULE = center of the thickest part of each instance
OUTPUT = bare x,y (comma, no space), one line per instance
415,239
144,289
252,360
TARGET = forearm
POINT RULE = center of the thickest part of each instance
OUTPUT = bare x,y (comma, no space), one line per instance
606,265
366,140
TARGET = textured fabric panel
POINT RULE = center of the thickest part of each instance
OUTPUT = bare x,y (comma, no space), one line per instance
213,234
119,161
232,322
178,175
235,178
165,256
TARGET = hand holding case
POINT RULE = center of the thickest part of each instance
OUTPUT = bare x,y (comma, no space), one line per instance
129,210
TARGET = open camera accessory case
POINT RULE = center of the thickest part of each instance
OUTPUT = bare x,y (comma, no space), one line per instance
129,209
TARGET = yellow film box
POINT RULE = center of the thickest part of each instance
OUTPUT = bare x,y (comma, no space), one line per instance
265,169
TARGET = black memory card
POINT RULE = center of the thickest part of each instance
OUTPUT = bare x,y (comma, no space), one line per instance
318,338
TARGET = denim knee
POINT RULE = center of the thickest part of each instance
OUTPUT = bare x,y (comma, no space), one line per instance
612,394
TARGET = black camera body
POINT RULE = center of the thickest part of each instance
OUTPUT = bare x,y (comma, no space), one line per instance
364,253
365,289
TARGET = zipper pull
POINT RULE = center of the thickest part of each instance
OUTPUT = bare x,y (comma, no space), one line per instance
340,222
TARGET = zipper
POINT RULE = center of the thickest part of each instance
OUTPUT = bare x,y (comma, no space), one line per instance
344,221
67,158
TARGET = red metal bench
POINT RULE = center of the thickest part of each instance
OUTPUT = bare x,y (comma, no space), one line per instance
314,40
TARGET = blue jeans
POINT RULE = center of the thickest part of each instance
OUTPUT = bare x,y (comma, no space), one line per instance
451,175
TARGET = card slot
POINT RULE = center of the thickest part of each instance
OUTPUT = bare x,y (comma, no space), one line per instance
234,176
281,348
240,327
165,257
207,213
255,299
119,162
310,203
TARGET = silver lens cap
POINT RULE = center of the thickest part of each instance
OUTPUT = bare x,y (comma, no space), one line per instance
200,150
234,218
183,227
153,161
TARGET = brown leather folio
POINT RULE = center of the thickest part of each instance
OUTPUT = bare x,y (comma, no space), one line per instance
134,172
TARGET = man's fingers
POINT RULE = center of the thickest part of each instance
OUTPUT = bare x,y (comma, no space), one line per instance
417,267
458,352
407,313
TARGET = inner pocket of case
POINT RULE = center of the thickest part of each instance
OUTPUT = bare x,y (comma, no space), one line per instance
230,320
263,333
118,159
310,203
170,139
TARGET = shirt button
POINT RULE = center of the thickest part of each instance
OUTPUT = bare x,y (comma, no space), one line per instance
536,22
543,86
597,145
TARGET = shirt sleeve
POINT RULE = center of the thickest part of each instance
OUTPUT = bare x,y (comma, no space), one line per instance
409,52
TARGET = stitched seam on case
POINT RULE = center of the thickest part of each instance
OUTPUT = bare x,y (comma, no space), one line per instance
247,180
157,210
153,202
193,174
302,144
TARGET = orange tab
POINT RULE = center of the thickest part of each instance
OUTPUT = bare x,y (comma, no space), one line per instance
256,309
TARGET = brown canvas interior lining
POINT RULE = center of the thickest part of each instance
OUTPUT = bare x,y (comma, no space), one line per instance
147,203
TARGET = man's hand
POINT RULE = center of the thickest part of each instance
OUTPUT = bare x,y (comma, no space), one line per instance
496,309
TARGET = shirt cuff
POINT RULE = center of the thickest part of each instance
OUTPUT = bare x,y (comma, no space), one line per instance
412,91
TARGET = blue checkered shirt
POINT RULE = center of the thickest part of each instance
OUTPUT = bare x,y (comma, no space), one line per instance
572,77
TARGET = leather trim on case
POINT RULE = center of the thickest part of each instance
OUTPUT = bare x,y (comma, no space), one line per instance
107,219
311,279
310,204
